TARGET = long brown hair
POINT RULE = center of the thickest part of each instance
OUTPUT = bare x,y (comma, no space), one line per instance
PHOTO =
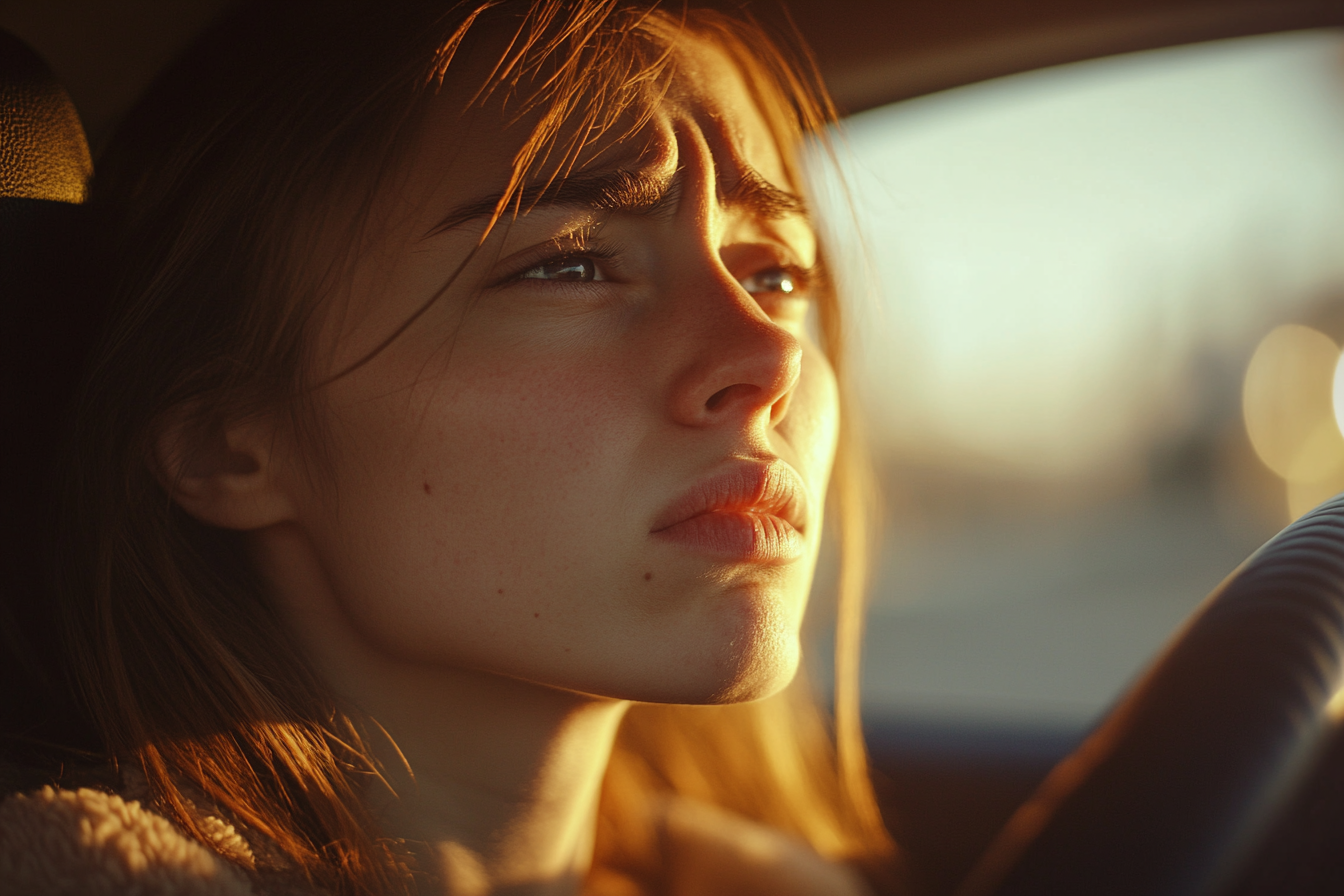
269,137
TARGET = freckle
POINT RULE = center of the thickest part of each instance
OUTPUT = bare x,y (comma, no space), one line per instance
648,576
566,650
536,615
500,591
426,488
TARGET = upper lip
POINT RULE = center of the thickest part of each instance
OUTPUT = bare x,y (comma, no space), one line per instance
769,486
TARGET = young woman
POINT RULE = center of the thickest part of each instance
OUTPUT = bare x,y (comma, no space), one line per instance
446,492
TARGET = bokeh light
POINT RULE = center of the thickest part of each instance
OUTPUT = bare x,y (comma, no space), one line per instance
1337,393
1288,407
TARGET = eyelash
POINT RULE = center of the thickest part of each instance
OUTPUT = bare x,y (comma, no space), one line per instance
569,255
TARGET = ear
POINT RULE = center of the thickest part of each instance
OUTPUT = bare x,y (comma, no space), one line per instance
225,475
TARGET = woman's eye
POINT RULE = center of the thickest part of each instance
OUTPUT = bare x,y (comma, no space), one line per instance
773,280
576,268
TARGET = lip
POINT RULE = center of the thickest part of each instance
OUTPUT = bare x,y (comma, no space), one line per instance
753,512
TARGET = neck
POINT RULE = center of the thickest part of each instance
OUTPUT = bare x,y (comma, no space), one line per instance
499,783
492,781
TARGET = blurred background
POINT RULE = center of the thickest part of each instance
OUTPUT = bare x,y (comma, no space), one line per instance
1099,309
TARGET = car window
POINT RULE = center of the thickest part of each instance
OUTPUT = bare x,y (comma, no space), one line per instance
1099,316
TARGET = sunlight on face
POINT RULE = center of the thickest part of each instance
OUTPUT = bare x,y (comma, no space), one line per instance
598,461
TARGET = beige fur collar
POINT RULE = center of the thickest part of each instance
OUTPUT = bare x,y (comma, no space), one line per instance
55,841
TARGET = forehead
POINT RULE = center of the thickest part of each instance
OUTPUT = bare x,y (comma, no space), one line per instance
709,89
474,151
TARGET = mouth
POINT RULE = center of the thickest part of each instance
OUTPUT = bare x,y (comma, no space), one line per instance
752,512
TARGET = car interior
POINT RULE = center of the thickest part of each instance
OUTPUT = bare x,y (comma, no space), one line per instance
1210,761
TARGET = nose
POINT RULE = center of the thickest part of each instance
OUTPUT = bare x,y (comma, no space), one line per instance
741,365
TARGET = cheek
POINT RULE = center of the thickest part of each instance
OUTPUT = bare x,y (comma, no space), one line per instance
813,423
527,433
471,503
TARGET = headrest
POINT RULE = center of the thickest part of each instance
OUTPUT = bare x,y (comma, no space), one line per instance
43,153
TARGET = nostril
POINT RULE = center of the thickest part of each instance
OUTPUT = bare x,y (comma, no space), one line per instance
717,399
720,397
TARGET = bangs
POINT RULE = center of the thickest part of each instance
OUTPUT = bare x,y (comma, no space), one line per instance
589,75
594,73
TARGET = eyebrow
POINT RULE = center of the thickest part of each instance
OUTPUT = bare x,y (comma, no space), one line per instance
754,193
634,192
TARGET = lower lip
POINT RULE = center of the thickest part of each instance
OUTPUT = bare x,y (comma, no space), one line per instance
739,536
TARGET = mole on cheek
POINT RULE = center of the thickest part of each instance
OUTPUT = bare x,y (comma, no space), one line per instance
648,576
427,488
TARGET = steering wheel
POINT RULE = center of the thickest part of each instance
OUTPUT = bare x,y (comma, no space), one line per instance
1183,777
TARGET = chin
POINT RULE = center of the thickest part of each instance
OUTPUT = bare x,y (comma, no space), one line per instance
756,653
762,680
748,665
748,669
707,646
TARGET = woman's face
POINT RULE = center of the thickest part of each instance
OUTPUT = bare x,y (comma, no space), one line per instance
598,460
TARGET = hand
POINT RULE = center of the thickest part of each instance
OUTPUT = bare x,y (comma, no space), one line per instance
711,851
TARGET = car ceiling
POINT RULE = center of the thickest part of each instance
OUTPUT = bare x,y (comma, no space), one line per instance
871,52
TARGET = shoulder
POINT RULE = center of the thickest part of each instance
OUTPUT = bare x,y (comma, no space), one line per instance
54,840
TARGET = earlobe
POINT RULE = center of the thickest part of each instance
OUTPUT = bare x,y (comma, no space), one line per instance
224,475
